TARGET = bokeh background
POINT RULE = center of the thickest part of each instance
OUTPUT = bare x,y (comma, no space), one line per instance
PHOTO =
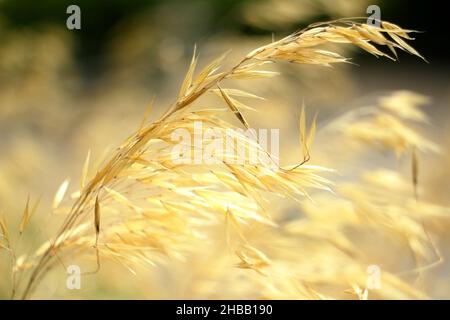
65,92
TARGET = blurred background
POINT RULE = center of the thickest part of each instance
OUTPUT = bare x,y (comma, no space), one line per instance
64,92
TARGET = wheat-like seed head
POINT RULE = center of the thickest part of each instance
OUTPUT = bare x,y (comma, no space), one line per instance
139,205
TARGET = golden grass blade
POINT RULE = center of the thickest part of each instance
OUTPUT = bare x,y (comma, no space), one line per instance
25,216
209,70
147,113
396,33
120,198
229,216
392,49
59,196
237,93
406,46
252,258
97,220
415,172
302,125
85,170
187,82
311,134
4,230
253,74
234,108
397,29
